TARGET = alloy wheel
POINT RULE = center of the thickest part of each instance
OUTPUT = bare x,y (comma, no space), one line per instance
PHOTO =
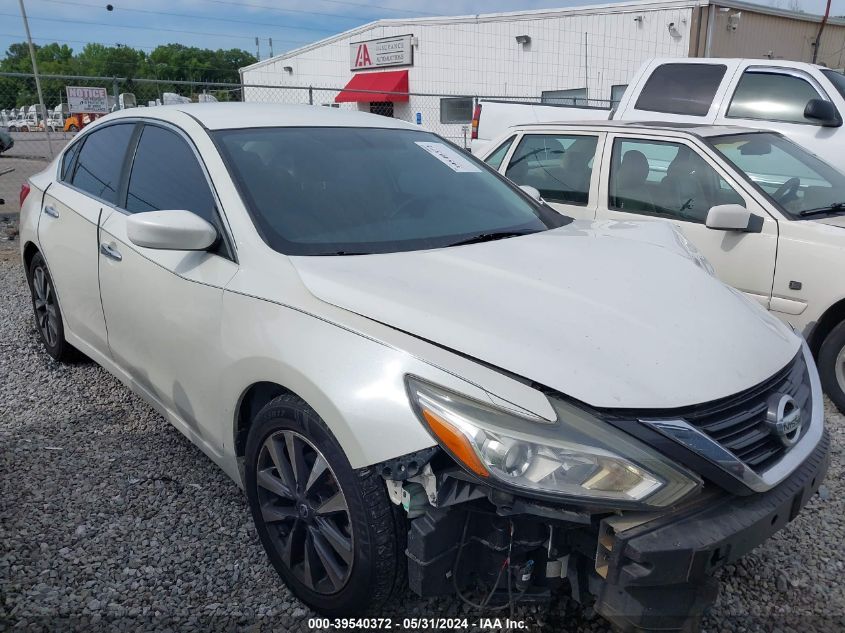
840,368
46,312
305,511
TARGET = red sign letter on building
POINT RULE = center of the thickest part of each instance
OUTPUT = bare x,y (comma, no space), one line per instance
362,58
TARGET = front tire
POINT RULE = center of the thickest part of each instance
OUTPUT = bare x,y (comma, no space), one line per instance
831,363
330,531
48,315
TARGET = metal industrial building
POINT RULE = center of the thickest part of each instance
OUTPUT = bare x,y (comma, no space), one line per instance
429,70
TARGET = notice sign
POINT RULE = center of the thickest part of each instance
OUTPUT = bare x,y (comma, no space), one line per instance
449,157
81,99
388,51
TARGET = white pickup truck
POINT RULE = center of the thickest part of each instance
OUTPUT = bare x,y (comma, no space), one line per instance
804,102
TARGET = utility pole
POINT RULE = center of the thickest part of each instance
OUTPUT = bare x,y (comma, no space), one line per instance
271,47
819,36
257,49
37,78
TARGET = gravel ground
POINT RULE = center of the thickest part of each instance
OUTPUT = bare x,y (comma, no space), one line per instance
112,520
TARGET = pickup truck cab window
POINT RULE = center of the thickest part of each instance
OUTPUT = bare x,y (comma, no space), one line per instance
665,179
771,96
798,183
681,89
559,166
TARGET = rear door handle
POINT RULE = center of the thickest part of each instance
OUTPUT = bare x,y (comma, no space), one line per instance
111,253
51,211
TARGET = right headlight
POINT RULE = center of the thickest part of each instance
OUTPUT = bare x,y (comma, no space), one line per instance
578,457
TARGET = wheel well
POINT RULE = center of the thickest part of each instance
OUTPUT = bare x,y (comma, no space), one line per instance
832,317
253,400
29,252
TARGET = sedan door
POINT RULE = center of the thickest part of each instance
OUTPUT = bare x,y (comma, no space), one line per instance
67,230
670,180
163,307
560,165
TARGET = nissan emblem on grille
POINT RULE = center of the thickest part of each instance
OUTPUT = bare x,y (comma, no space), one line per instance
784,418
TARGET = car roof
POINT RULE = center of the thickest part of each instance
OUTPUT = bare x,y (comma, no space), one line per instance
695,129
237,115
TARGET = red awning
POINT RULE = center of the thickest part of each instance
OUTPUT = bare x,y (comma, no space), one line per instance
379,85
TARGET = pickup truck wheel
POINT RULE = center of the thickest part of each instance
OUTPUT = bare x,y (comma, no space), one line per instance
48,315
329,530
72,128
832,365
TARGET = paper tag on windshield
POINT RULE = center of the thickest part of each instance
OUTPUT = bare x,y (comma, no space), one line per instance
449,157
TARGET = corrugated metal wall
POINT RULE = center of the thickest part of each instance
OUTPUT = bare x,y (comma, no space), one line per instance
759,35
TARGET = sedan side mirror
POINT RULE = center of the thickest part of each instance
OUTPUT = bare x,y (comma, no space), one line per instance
823,113
729,217
532,191
170,230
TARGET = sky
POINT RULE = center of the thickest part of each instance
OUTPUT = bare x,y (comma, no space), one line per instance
236,23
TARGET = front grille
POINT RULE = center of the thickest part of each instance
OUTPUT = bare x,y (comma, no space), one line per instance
739,423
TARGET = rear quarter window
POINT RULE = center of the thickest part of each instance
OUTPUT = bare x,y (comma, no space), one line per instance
686,89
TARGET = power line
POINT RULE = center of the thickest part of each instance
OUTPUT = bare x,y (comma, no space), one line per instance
56,40
150,28
353,4
195,17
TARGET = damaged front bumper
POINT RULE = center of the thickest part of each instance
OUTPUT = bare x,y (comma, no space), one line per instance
642,571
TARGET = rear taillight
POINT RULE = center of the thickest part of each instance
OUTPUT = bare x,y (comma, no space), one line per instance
24,192
476,116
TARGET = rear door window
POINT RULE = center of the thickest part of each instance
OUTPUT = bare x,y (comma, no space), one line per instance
559,166
100,161
771,96
681,89
166,175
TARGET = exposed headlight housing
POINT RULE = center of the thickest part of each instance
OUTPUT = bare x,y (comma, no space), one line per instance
577,458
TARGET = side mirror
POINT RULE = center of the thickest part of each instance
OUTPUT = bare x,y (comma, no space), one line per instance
729,217
170,230
823,113
532,191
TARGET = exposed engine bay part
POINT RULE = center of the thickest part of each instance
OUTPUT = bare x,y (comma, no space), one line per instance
643,571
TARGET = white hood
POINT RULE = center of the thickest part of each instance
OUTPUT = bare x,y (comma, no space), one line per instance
612,314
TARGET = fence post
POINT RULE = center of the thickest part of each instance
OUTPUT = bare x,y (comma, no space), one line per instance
41,106
310,95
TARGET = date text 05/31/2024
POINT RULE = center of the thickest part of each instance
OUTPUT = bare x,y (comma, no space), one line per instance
416,623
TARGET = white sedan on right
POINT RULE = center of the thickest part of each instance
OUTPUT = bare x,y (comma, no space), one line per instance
767,214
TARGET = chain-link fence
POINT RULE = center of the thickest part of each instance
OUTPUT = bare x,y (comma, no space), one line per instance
37,136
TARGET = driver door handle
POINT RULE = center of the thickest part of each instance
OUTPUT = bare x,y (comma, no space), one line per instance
110,252
51,211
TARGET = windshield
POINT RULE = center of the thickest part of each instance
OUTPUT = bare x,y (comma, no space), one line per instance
837,79
795,180
348,191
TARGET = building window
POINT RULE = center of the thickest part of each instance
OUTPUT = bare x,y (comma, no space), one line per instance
573,96
384,108
456,110
616,93
682,89
330,105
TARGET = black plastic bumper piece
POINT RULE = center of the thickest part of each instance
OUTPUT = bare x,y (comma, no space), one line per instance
658,573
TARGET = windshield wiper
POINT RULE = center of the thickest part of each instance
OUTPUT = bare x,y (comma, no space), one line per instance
831,208
339,253
489,237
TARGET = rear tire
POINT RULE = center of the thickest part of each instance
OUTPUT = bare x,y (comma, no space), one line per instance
49,321
330,531
831,363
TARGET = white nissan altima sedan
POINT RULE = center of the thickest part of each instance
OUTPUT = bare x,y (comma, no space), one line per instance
416,369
